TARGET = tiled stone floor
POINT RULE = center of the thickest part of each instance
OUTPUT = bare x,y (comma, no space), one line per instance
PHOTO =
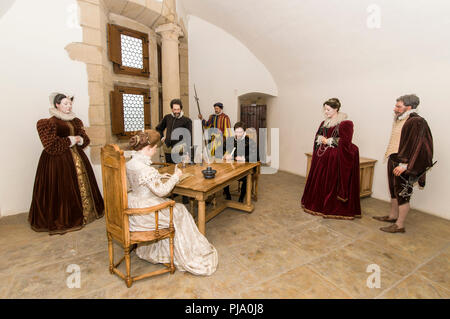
278,251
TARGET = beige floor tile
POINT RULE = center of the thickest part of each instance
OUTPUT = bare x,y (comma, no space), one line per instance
417,246
348,228
268,257
438,269
51,249
395,261
233,274
422,223
230,233
6,282
300,282
278,251
14,233
349,274
50,281
318,241
416,287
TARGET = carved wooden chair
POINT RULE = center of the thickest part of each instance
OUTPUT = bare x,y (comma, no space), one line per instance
117,212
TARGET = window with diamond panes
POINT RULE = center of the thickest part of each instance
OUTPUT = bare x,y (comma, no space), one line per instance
128,50
130,110
132,55
133,112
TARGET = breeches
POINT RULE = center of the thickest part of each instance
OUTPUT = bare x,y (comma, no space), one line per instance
396,184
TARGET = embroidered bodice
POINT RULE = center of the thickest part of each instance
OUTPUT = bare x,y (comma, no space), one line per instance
145,180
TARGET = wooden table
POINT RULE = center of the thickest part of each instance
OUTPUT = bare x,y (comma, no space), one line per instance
199,188
366,170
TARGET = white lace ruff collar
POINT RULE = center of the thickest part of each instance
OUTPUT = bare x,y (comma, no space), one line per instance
60,115
330,122
179,116
406,115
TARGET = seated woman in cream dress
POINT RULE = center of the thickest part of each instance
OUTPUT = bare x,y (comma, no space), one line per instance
192,251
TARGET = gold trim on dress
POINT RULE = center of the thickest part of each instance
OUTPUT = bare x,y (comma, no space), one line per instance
329,216
87,200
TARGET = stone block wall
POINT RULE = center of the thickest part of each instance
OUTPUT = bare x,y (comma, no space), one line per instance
93,51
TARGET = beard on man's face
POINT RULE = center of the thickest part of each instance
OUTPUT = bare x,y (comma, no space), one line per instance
398,114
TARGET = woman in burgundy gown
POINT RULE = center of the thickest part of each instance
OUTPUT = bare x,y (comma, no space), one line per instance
332,187
65,194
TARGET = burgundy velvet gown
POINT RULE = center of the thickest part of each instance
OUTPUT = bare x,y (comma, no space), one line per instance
65,194
332,187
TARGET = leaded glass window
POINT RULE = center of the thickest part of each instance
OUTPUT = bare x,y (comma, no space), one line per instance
130,110
133,112
128,50
132,55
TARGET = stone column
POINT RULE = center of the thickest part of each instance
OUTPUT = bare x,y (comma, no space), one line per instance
170,63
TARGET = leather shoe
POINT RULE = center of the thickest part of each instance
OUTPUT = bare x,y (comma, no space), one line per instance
393,229
384,219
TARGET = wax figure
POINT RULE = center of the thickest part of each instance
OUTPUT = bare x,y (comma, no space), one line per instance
332,187
65,194
409,154
171,122
221,125
192,251
241,149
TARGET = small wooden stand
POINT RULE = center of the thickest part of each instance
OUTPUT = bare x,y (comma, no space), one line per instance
366,169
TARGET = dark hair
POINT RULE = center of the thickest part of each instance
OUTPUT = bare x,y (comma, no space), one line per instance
176,101
333,103
58,98
410,100
144,138
241,125
219,105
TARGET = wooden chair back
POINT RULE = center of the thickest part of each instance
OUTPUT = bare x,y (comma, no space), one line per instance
114,190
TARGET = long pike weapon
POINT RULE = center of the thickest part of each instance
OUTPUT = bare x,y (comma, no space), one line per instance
204,145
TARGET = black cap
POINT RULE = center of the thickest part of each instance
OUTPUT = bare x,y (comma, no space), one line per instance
219,105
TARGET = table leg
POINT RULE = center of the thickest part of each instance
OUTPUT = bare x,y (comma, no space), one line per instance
248,195
201,216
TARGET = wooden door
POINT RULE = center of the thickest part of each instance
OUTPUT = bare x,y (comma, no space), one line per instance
254,116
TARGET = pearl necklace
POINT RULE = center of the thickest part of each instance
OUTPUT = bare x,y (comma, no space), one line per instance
323,148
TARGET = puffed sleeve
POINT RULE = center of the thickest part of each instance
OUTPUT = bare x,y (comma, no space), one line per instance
318,137
207,124
53,144
153,180
79,130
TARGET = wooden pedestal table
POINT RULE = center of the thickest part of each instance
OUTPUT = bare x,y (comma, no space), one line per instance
199,188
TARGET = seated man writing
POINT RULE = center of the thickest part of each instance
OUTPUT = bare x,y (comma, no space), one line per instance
241,149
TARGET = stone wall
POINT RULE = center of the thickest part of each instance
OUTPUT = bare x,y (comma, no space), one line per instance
143,16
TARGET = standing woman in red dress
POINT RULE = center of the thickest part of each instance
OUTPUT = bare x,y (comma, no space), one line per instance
65,195
332,187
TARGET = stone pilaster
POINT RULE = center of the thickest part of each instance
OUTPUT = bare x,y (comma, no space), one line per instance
170,34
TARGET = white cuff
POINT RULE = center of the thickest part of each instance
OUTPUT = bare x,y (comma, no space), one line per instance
329,141
403,165
81,141
72,140
319,139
